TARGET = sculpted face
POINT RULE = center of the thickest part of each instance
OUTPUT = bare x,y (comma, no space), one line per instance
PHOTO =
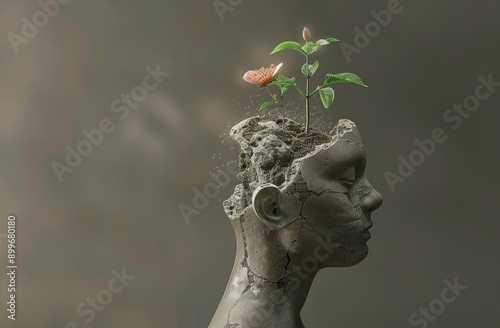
341,200
328,204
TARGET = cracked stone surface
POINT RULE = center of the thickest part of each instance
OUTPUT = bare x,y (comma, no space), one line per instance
303,204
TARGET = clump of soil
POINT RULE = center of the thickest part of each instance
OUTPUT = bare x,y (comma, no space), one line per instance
270,153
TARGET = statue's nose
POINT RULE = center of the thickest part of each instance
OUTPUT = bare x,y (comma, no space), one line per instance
372,201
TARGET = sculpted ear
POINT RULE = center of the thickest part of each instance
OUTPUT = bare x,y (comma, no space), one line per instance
274,209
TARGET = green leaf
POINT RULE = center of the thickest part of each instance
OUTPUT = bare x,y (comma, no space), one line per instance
312,69
309,48
283,78
283,82
287,45
332,40
303,69
343,77
283,87
326,95
283,90
323,42
266,104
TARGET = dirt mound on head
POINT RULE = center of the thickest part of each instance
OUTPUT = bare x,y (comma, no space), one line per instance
269,154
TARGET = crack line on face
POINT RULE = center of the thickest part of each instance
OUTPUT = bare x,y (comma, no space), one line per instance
348,252
278,262
251,275
283,282
309,225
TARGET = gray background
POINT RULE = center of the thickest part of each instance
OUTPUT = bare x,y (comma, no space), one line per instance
119,207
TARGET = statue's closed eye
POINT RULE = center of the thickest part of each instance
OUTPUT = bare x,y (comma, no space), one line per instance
348,176
347,182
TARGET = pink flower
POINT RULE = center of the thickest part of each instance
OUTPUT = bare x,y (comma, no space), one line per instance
263,75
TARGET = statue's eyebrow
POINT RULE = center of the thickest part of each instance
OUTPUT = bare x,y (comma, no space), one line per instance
355,159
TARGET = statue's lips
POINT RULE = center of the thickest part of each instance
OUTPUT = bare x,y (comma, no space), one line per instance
365,233
367,228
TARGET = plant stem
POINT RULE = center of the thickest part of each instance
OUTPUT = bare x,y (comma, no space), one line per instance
279,102
272,96
283,114
307,94
299,90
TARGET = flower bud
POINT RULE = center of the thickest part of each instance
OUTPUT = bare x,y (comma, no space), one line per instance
306,34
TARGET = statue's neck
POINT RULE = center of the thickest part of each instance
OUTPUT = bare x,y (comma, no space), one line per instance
261,299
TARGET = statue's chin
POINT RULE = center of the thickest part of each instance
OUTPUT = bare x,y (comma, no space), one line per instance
352,258
357,256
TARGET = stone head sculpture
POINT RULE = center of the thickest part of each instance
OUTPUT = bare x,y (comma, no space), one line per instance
303,204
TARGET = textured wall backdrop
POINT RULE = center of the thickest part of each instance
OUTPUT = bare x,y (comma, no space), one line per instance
147,92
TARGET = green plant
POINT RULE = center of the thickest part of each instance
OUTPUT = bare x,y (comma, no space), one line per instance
267,76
